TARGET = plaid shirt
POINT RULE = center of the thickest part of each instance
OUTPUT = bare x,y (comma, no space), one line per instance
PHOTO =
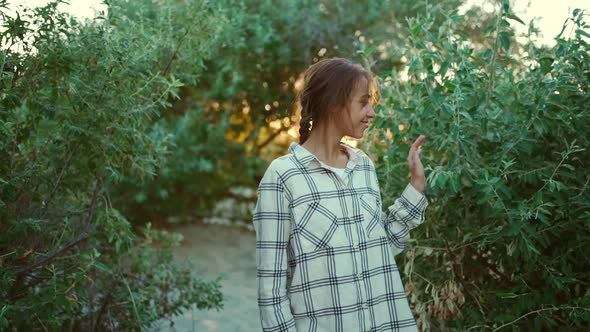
325,249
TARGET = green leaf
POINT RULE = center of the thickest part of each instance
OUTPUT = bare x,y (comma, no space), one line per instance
516,18
505,40
466,115
506,5
546,64
3,313
454,183
140,197
467,236
506,294
442,180
583,33
576,12
368,51
532,248
103,267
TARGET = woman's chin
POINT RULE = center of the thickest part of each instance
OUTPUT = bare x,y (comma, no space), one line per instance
362,133
357,136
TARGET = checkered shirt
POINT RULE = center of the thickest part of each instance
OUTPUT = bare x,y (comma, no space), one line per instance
325,249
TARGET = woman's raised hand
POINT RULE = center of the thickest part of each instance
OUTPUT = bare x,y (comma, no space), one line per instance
418,180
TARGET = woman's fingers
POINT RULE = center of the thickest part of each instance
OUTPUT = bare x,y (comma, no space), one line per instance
416,169
418,142
415,150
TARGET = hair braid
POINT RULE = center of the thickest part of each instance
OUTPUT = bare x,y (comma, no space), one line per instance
304,125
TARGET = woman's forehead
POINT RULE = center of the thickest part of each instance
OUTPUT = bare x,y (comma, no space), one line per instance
362,88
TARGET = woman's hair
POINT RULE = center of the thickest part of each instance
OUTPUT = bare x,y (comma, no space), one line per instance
327,85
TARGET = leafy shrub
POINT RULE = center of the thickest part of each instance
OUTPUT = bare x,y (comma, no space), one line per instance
508,161
201,167
77,107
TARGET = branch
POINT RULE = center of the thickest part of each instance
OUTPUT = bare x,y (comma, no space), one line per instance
453,260
461,278
493,63
104,305
58,251
59,177
171,58
272,137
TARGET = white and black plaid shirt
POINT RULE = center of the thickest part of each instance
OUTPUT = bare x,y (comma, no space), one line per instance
325,250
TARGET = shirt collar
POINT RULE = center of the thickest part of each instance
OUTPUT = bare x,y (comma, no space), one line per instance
305,157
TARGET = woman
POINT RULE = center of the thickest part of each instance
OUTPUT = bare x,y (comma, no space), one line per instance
325,250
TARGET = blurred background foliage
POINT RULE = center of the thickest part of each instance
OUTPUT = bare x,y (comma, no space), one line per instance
154,111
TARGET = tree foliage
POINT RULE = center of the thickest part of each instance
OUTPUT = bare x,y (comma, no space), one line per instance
270,45
240,110
507,150
78,101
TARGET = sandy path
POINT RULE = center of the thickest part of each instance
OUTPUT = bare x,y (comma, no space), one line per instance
229,252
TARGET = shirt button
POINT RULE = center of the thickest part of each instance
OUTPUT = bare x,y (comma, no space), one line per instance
365,305
360,275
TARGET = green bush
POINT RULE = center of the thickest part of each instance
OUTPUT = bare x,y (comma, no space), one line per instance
201,167
78,105
504,245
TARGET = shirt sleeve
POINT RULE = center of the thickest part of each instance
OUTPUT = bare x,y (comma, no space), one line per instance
272,223
406,213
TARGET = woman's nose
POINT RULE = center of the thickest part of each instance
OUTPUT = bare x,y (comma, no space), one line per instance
371,113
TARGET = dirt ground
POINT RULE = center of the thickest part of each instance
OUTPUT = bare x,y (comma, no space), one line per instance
230,252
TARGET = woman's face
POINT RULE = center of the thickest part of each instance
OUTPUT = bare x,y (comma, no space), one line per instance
361,110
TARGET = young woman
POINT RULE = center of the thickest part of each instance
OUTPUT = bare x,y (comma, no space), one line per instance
325,250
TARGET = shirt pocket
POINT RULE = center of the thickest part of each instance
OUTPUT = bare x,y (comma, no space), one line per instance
317,226
372,215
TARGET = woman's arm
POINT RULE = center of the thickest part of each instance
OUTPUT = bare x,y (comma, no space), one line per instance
272,223
406,213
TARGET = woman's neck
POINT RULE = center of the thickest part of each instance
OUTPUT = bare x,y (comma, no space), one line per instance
327,149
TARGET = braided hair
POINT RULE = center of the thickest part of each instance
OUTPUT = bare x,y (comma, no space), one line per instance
327,86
